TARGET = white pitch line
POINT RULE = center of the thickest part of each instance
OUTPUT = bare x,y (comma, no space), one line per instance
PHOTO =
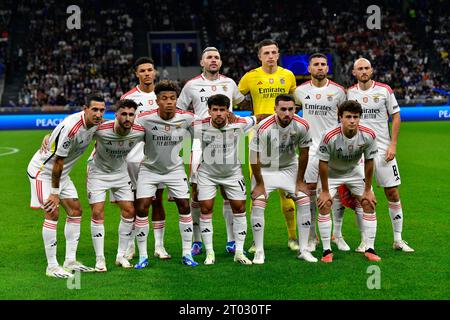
11,151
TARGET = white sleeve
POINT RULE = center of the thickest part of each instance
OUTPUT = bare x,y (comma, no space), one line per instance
392,104
63,142
185,99
237,95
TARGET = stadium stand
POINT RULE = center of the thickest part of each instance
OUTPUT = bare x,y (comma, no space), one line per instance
61,66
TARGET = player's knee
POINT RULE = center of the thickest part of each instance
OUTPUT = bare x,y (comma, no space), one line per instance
206,210
367,207
98,215
183,206
128,212
240,208
326,208
142,208
76,211
392,194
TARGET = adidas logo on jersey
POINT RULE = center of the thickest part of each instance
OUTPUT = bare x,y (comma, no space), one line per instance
202,90
140,104
155,128
259,83
307,97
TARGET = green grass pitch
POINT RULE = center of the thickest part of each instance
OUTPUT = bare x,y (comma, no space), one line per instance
424,161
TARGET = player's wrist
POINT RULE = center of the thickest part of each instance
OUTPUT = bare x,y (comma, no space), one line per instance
55,191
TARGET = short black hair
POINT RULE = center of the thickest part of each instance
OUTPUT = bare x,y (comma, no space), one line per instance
126,103
317,55
166,85
284,97
94,97
218,100
143,60
350,106
266,42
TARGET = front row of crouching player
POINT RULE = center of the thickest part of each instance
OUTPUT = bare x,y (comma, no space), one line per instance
273,157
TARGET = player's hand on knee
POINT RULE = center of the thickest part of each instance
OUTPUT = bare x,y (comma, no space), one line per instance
301,187
52,204
259,191
324,200
368,200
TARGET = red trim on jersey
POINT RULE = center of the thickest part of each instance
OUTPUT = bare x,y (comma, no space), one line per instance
267,124
336,84
146,113
106,126
240,120
128,93
353,86
138,127
384,85
367,130
331,134
302,121
196,122
184,112
75,128
199,76
304,83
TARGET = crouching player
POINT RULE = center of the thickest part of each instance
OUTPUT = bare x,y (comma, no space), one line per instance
275,165
107,170
340,150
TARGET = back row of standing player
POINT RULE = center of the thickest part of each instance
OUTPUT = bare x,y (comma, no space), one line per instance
319,99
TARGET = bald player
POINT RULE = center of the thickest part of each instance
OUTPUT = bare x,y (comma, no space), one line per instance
378,102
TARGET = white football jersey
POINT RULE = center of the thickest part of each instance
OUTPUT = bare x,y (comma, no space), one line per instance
276,145
163,139
196,92
220,146
378,103
320,107
145,101
68,140
343,154
111,149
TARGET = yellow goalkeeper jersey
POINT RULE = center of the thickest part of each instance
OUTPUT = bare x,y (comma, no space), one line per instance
264,87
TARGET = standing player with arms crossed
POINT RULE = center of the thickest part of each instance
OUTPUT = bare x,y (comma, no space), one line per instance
378,103
51,185
319,99
264,84
195,93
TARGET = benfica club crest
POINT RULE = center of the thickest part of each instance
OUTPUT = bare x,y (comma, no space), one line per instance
376,99
365,99
330,97
271,81
318,96
225,88
213,88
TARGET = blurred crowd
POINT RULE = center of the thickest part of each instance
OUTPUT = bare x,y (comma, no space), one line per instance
63,66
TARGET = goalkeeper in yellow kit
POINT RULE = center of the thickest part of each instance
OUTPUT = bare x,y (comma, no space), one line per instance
264,84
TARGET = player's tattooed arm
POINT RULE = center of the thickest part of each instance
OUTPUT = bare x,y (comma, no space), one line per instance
392,149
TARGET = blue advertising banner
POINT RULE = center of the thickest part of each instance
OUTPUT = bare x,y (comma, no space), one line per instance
51,120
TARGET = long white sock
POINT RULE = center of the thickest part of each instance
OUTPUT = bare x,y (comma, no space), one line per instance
132,237
50,243
258,223
303,222
142,229
228,215
195,212
396,213
158,231
338,217
206,229
359,218
313,209
72,233
186,229
125,231
370,227
239,230
324,222
98,237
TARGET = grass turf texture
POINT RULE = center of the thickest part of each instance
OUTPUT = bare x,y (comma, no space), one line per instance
424,157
